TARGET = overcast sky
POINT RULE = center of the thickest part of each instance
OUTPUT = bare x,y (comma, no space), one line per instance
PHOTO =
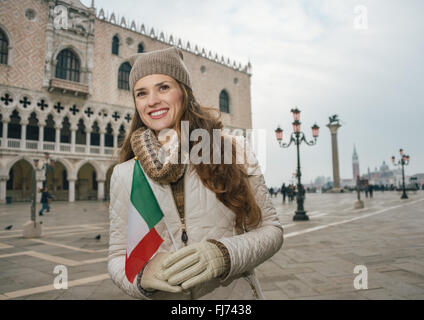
362,60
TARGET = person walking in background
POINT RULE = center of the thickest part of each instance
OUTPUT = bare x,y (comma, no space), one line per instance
284,192
370,189
291,193
45,196
49,200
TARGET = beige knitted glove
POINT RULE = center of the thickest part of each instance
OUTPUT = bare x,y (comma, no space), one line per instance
148,279
192,265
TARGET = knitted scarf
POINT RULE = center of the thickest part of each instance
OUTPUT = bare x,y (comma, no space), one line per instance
161,162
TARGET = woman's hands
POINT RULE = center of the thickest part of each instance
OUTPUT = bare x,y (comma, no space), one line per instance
192,265
148,279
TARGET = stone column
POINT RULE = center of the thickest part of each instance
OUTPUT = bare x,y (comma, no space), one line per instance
49,45
87,139
57,139
71,193
4,136
115,140
3,181
90,58
41,137
336,170
23,134
100,189
73,135
102,141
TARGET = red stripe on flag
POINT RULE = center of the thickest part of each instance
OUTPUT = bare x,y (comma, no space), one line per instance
142,253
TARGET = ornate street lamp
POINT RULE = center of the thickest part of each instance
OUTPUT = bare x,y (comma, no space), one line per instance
298,137
403,161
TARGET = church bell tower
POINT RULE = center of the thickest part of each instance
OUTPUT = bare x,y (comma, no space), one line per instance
355,164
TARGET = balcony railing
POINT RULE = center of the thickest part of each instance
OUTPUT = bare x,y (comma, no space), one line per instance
48,146
95,150
71,86
51,147
14,143
65,147
32,145
80,148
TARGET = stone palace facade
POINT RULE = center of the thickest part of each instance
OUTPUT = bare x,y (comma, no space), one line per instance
65,104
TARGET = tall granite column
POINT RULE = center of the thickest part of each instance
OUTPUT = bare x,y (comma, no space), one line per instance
336,170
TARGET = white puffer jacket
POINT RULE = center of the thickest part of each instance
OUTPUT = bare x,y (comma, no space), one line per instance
206,218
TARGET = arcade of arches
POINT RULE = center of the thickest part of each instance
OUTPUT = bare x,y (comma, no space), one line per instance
89,182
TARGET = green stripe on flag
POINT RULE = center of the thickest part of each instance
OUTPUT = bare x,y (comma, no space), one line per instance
143,199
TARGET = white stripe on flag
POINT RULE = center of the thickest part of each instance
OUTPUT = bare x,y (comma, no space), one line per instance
137,229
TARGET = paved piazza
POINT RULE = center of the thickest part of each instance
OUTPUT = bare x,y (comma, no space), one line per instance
317,260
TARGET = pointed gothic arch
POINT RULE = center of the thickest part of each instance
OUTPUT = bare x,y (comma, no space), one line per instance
14,126
32,130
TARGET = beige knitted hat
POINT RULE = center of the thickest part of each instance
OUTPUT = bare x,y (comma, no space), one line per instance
166,61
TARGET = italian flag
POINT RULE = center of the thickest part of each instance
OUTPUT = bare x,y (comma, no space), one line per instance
144,214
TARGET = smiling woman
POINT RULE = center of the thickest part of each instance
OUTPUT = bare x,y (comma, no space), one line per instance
221,212
158,101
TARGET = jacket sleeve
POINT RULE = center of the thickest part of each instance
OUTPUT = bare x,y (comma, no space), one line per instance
254,247
118,236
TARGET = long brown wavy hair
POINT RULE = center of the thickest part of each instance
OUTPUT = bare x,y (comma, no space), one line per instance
228,181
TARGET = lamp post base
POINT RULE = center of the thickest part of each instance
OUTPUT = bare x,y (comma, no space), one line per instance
32,230
300,216
359,204
404,196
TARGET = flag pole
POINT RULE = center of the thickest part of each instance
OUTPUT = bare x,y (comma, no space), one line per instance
170,234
